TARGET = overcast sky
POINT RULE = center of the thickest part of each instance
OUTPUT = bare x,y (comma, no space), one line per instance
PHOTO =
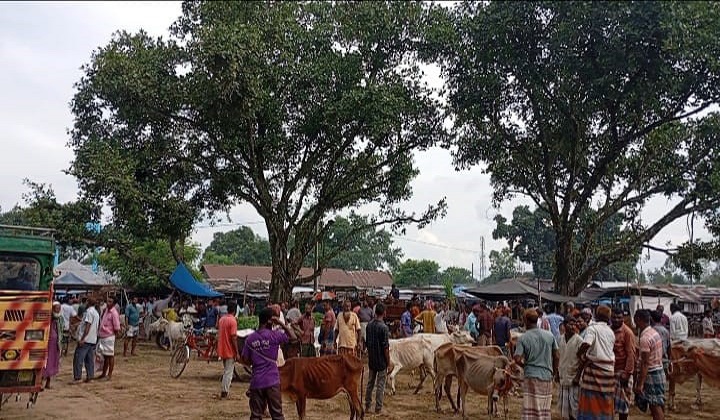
43,45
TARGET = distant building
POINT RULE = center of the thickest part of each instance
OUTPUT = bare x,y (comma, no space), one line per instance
226,278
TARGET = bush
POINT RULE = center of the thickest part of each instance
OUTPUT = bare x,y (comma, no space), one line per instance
318,318
245,322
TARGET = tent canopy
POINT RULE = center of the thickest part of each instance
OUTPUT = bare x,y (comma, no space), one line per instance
77,276
513,289
184,281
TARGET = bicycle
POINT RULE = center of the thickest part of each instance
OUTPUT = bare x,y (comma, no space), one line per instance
202,342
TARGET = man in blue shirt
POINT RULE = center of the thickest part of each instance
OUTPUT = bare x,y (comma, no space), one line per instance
471,323
406,321
554,320
502,328
132,325
211,317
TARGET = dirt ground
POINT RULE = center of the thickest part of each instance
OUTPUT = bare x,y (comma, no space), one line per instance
142,388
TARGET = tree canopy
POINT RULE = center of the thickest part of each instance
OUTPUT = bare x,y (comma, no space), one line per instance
417,273
300,109
240,246
531,238
589,109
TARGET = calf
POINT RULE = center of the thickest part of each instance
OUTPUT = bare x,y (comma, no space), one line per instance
445,369
322,378
489,375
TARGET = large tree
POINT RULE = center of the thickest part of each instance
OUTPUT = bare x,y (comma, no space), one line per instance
531,238
158,254
299,109
417,273
239,246
587,105
502,266
354,243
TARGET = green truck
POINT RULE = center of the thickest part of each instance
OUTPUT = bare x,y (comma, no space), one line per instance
26,275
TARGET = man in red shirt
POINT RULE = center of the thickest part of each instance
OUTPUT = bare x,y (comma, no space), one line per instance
227,348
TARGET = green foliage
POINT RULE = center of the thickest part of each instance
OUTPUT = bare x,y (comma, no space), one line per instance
240,246
156,254
245,322
318,318
353,243
502,266
667,274
457,275
531,238
300,109
587,106
448,286
417,273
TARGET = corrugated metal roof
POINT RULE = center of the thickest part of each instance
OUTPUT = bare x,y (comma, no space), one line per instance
692,293
331,277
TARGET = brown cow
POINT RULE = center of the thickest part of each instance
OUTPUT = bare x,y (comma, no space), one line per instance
446,367
489,375
697,359
682,368
322,378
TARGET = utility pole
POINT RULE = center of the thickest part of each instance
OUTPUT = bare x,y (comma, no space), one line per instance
482,258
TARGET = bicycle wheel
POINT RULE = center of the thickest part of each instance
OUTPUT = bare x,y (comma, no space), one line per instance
179,360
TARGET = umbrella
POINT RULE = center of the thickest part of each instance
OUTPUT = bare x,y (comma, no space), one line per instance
324,296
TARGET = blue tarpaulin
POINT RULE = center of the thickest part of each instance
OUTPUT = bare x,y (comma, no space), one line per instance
184,281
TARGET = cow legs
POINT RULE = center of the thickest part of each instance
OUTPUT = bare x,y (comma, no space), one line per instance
394,372
424,374
356,408
300,405
671,394
698,387
462,390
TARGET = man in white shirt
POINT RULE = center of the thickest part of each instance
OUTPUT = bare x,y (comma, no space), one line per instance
87,340
569,363
597,356
67,312
678,323
440,324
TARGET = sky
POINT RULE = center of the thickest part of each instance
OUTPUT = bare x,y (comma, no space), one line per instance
42,48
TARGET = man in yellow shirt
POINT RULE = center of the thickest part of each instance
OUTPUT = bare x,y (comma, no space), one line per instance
427,318
347,330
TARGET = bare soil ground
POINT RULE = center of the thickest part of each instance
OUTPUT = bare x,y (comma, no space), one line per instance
142,388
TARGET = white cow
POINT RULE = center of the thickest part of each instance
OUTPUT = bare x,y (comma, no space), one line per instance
418,351
175,331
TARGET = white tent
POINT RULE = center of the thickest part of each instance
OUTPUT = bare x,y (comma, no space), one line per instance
77,276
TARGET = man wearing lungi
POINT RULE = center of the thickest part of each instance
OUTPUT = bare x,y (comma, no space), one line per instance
650,378
537,353
570,343
625,351
597,381
109,328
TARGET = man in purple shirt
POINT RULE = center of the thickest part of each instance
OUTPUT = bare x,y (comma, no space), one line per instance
261,352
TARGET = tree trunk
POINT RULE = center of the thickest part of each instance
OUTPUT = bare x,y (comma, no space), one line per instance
280,285
562,277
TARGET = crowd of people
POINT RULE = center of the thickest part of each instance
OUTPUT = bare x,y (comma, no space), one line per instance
593,357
